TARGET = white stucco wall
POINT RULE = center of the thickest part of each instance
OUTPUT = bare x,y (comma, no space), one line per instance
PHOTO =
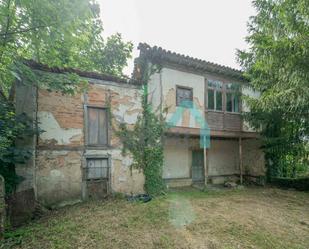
223,157
177,159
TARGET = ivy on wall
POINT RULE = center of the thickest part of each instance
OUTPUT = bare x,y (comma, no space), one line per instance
144,142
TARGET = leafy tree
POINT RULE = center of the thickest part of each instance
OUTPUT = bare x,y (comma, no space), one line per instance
58,33
277,65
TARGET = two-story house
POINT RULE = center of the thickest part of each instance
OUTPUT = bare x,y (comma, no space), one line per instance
215,93
79,155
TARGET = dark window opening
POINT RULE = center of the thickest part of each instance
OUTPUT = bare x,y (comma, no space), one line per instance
229,104
219,101
184,96
232,102
211,99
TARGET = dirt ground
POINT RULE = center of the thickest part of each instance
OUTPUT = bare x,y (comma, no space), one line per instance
247,218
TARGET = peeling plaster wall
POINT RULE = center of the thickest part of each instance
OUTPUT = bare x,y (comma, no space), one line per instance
125,106
59,176
53,131
123,178
61,147
172,78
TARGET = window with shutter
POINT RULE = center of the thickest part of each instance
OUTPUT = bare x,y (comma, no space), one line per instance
97,126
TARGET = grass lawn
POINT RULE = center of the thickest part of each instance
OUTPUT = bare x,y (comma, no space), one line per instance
247,218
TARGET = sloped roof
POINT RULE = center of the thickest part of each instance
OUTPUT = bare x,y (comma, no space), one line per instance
85,74
159,55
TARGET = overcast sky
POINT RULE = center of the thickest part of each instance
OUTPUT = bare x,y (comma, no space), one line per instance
207,29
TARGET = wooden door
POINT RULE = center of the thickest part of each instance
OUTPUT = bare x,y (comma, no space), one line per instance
198,166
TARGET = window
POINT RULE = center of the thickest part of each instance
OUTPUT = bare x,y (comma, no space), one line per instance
211,99
229,102
96,168
218,100
232,98
214,95
97,126
184,96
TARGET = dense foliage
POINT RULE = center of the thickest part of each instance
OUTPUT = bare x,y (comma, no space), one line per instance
144,141
277,65
301,183
12,127
58,33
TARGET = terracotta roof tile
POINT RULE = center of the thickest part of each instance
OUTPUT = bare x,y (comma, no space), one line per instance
158,54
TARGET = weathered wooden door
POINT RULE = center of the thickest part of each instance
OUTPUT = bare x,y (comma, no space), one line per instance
198,166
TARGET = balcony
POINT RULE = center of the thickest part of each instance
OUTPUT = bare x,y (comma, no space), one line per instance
224,121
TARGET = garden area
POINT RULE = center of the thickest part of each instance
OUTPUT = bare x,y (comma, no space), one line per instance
188,218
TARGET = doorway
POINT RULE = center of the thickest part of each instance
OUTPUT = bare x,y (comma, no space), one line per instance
198,174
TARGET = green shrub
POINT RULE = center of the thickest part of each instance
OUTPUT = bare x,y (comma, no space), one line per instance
301,183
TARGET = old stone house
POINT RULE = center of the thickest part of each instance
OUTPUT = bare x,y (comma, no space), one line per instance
78,156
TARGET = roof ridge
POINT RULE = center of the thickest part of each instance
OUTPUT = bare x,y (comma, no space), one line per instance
200,63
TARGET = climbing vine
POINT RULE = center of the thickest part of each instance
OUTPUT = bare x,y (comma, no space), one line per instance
144,142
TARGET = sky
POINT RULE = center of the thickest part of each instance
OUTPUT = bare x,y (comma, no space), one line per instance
211,30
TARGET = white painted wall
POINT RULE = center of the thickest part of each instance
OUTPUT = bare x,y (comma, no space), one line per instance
177,159
223,157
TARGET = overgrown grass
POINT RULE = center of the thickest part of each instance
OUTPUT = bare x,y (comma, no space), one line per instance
247,218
